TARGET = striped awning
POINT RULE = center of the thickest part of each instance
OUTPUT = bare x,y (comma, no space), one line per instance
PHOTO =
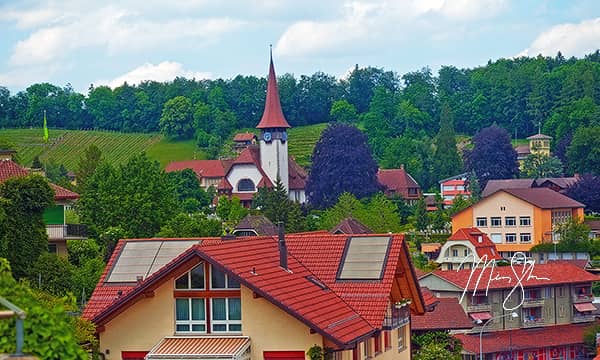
585,307
201,348
481,316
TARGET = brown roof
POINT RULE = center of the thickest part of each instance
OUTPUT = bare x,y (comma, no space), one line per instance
249,155
562,182
593,224
544,198
540,137
60,193
448,314
243,137
523,150
202,168
396,180
296,175
494,185
350,225
259,223
273,115
430,247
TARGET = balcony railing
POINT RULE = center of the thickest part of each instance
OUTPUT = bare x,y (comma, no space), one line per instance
533,302
532,322
479,307
583,318
68,231
582,298
396,316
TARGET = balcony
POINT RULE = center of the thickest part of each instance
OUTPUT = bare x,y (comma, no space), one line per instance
533,322
582,298
533,302
396,316
68,231
583,318
479,307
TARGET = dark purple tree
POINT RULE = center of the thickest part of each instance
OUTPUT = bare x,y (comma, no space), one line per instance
492,156
341,162
560,151
587,191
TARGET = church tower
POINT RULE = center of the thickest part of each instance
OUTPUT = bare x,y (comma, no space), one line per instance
273,134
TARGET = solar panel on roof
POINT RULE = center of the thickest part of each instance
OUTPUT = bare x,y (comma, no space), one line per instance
143,258
364,258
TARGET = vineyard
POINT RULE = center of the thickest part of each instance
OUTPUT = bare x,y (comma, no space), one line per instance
303,140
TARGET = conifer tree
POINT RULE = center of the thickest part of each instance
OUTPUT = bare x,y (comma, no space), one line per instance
446,161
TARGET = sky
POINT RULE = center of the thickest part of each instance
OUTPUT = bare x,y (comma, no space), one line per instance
108,42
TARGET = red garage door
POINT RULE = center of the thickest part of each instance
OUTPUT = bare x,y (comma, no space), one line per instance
133,355
283,355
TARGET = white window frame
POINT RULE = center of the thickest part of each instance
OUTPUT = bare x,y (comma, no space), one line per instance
524,220
496,218
511,219
483,222
189,321
227,322
513,235
525,235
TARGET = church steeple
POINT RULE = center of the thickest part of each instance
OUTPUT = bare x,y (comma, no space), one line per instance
272,115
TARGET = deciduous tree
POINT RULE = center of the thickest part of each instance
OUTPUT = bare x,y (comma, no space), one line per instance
176,118
587,191
539,166
584,152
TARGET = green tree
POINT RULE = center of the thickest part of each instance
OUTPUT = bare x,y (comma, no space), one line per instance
92,156
276,206
435,345
23,235
573,231
540,166
584,152
420,217
191,225
446,161
381,215
439,218
52,274
459,203
176,118
230,211
344,112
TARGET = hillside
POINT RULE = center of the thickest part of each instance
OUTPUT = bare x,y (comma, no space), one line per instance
66,146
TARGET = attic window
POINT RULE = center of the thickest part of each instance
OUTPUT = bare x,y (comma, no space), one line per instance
364,258
246,185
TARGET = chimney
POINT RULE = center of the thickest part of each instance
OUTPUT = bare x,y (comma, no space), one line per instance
283,261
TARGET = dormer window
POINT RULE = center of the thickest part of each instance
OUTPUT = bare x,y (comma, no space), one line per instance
246,185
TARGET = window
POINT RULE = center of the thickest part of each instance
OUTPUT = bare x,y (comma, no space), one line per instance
561,292
192,280
525,221
246,185
533,314
496,238
220,280
481,222
466,252
190,315
367,349
502,208
560,216
496,221
455,253
401,339
511,238
226,315
525,237
510,221
52,249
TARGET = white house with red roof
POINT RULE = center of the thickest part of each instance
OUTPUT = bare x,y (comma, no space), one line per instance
467,248
56,226
261,297
256,166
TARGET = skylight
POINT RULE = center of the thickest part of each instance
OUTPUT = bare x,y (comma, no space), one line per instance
364,258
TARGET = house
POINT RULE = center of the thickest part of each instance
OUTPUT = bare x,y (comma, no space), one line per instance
261,297
398,182
447,315
517,219
557,184
255,225
538,144
257,165
454,186
350,225
466,248
431,250
242,140
594,229
546,314
54,217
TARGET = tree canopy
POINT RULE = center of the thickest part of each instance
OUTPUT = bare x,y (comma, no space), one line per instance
341,162
587,191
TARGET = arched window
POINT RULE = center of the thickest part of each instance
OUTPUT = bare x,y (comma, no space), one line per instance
246,185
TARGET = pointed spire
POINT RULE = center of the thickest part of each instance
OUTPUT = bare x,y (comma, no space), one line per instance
273,115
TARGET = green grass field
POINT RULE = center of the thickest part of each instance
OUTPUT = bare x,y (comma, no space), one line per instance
67,146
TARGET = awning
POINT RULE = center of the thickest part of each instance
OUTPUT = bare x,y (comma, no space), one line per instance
482,316
201,348
585,307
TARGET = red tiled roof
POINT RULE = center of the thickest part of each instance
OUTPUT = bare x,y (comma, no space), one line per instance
454,182
494,185
265,181
350,225
248,156
60,193
503,277
9,168
224,184
522,339
296,175
202,168
447,315
243,137
430,299
243,196
544,198
397,180
430,247
273,115
484,248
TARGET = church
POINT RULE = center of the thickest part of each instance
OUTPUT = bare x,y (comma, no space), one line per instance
257,165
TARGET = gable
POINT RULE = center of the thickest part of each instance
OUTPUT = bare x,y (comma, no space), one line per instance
435,283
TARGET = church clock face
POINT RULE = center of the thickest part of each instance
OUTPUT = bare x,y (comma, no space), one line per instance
267,136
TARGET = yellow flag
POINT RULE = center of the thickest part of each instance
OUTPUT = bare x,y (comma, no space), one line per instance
45,128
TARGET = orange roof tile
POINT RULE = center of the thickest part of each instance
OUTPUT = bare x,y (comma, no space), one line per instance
9,168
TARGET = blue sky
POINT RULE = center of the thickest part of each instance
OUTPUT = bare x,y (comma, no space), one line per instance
108,42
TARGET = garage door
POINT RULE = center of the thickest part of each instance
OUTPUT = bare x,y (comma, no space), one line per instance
283,355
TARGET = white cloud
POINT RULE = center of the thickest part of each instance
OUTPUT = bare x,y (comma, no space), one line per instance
370,23
164,71
570,39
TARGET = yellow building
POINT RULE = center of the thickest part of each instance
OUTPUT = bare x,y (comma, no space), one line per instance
257,298
540,144
518,219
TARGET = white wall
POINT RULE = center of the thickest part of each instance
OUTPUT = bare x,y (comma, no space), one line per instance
243,171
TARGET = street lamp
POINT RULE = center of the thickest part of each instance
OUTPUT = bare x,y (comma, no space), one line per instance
512,314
